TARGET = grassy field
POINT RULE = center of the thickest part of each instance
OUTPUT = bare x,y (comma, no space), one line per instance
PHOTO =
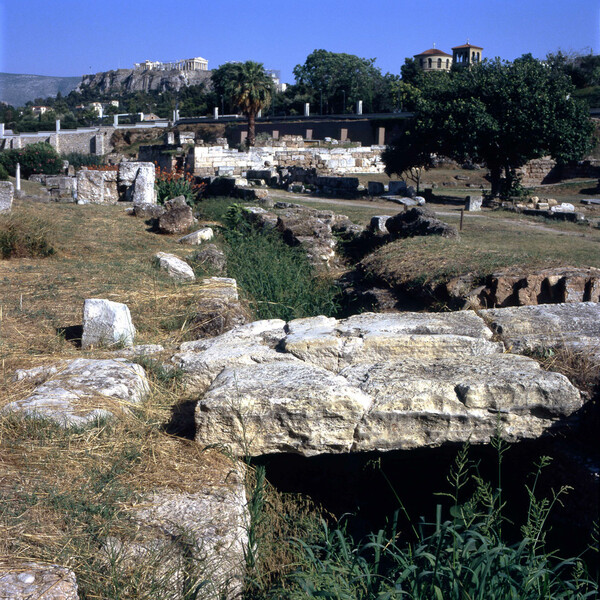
62,493
100,252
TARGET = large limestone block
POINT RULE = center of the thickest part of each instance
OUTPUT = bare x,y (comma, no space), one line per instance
136,182
202,360
537,328
194,537
7,194
106,323
26,580
371,337
81,391
280,407
92,189
431,402
175,267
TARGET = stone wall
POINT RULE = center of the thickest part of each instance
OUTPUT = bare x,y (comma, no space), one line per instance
221,160
545,170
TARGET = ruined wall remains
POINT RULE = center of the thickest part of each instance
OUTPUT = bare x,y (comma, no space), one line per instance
220,160
545,170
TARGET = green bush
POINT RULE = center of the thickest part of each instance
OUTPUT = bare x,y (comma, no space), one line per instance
77,159
3,173
170,184
34,158
24,237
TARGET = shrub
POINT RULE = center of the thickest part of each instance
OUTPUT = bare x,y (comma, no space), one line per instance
3,173
77,159
34,158
24,237
170,184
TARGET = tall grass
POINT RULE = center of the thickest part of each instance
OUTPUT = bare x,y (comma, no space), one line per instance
464,557
278,280
24,236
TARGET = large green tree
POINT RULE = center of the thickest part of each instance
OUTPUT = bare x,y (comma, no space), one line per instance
501,113
250,89
338,80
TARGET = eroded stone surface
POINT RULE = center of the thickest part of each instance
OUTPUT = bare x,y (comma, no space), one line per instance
81,391
21,580
281,407
370,337
430,402
202,360
369,382
537,328
192,538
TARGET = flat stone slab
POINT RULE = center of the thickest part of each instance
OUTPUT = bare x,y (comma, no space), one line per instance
370,337
202,360
537,328
25,580
431,402
81,391
369,382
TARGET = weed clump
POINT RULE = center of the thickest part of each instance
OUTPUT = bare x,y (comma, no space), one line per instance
22,236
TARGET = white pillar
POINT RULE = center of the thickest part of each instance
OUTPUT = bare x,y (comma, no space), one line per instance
307,110
18,177
116,121
174,116
177,114
216,112
259,114
141,115
359,107
57,125
1,129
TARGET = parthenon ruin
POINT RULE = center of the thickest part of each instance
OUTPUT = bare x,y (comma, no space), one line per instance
186,64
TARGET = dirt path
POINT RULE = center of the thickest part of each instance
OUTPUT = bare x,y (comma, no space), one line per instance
390,207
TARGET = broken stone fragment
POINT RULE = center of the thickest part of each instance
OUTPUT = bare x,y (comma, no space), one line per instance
81,391
106,323
175,267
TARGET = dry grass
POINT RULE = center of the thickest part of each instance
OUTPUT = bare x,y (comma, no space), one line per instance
63,492
100,253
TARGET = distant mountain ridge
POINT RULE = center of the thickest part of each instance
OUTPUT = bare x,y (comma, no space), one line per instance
17,89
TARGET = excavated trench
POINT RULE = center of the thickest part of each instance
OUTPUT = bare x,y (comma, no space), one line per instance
364,490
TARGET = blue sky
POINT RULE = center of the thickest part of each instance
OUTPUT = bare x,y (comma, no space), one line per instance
73,37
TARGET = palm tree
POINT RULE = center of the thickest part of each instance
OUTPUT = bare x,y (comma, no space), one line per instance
250,89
